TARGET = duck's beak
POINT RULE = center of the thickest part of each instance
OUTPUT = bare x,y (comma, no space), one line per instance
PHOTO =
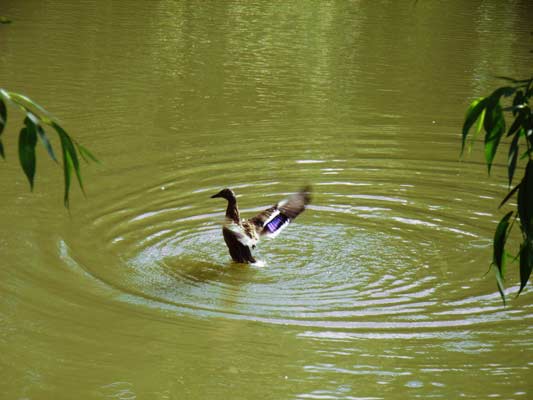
216,195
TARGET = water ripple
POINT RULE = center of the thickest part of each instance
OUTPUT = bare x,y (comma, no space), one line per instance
364,257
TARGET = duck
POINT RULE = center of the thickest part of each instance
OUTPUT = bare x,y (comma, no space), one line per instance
242,235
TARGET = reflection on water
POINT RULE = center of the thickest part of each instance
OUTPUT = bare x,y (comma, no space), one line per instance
376,292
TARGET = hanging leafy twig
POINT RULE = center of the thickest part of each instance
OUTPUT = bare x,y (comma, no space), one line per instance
489,114
36,118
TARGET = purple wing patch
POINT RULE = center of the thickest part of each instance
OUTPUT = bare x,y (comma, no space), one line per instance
276,223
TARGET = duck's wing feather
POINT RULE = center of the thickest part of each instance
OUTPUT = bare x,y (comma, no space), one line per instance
264,216
274,227
273,220
295,204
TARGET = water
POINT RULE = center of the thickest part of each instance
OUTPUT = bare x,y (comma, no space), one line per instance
377,291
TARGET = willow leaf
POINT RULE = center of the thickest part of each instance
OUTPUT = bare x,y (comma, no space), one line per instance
500,238
526,263
3,115
504,91
30,106
67,172
509,195
512,158
46,142
525,154
69,149
495,128
477,129
512,80
525,201
27,141
472,114
529,87
517,123
86,154
499,282
3,122
518,101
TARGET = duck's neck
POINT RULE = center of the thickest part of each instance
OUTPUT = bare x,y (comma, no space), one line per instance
232,212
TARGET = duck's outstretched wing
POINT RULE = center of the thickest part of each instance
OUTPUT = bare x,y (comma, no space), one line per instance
271,222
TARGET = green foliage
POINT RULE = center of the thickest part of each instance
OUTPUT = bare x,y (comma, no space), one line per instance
34,128
489,113
499,255
27,142
3,122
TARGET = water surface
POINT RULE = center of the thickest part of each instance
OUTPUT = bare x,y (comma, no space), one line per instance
376,292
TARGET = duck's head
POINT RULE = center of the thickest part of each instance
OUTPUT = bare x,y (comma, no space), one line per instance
227,194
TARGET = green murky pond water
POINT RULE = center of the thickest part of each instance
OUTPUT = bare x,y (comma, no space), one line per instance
376,292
